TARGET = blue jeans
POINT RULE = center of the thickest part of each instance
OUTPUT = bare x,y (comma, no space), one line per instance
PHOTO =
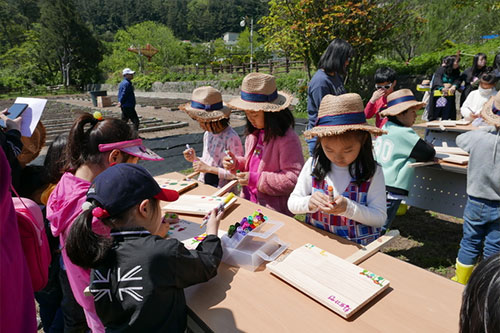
311,143
481,225
392,209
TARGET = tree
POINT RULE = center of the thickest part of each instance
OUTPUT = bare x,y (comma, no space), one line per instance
170,50
304,28
65,38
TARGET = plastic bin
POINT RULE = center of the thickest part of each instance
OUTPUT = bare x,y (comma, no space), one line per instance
94,94
257,246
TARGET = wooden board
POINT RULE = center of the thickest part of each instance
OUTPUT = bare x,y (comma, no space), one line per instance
334,282
448,123
180,186
189,233
196,204
455,159
451,150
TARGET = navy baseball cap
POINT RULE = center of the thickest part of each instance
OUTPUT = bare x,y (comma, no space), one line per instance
124,185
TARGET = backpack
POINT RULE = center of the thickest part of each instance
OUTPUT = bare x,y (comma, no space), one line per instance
33,240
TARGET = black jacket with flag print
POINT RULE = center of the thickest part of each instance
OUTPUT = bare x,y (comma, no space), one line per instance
139,285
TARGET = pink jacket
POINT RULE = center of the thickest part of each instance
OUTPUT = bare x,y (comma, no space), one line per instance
17,303
63,207
278,170
372,109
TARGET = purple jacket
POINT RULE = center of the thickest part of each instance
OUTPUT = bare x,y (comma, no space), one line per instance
279,169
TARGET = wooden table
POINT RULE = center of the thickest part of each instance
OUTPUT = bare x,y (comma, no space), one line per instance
238,300
437,136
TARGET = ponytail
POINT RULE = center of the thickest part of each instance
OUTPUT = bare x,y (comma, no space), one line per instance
84,247
87,133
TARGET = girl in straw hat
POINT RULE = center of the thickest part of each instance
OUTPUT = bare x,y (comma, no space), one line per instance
400,147
273,154
207,108
341,188
481,229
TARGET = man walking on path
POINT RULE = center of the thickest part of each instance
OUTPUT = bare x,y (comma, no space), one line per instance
126,98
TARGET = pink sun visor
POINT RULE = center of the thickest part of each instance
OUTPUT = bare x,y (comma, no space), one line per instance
132,147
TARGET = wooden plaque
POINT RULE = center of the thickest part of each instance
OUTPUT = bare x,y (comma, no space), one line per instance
334,282
180,186
196,204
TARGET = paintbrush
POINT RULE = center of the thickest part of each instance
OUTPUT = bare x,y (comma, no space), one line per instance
219,208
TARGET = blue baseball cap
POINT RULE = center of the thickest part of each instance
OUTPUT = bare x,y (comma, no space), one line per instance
124,185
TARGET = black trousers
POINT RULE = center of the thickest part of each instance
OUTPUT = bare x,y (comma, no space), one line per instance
74,317
130,113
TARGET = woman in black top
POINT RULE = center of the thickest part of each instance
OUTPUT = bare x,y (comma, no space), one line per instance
446,80
472,74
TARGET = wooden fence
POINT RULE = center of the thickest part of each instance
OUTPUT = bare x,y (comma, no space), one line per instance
269,67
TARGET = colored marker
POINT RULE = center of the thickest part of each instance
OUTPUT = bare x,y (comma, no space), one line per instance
220,208
330,194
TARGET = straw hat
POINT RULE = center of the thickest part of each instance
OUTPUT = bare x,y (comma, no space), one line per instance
338,114
491,111
259,93
400,101
206,105
33,145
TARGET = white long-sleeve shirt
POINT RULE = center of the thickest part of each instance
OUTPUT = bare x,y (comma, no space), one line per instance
474,103
373,214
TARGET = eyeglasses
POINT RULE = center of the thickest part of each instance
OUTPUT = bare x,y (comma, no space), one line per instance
387,86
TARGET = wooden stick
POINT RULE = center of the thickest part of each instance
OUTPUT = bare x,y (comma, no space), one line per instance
419,164
191,175
226,188
369,250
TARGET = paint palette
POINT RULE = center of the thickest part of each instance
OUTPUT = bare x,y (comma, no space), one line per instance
196,204
180,186
189,233
337,284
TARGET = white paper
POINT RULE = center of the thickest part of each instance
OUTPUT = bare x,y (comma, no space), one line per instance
31,116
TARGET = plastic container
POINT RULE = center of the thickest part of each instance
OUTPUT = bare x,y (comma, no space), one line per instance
94,94
257,246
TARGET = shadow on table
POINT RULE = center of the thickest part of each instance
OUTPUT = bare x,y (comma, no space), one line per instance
202,297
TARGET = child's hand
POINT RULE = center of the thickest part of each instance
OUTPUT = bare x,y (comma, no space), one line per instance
377,94
229,162
319,201
200,166
339,205
189,155
11,124
214,221
243,178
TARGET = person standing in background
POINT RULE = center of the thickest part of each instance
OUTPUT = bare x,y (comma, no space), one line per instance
328,80
126,98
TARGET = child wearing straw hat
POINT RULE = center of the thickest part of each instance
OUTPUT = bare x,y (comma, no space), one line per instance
273,153
400,147
481,228
207,108
341,187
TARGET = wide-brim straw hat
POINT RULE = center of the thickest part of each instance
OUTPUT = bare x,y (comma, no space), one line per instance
206,105
339,114
491,111
259,93
399,101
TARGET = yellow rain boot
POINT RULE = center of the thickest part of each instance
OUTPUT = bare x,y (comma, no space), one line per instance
462,272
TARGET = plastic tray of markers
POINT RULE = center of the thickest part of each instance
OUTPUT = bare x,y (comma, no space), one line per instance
252,249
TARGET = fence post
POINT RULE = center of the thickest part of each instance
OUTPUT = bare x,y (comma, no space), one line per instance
256,67
271,66
205,69
213,69
221,68
287,65
231,68
244,68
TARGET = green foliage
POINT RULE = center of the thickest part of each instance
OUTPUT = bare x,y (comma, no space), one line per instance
170,50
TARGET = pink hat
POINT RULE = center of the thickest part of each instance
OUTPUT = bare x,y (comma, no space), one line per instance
132,147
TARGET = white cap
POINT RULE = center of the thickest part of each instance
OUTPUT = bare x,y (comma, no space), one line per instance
127,71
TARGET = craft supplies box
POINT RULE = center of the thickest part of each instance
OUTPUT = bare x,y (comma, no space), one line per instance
257,246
